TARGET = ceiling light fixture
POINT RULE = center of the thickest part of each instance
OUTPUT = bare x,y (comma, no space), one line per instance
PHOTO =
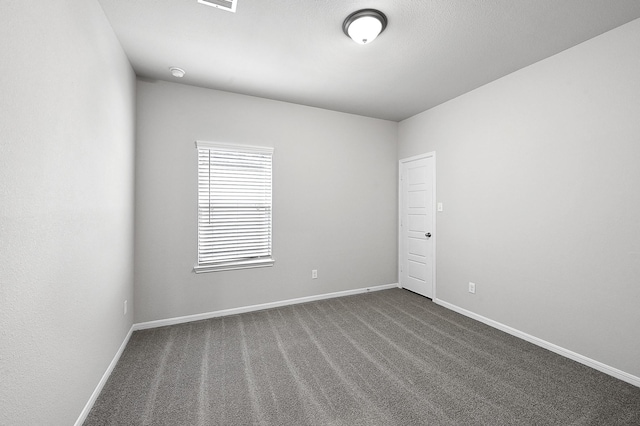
177,72
364,25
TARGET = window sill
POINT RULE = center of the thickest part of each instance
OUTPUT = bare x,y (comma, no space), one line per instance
244,264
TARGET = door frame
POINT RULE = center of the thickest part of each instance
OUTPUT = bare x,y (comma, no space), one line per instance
401,167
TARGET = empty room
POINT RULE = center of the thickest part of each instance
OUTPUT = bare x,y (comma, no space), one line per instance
239,212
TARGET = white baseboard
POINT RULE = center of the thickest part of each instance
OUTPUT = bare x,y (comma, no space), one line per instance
89,405
618,374
244,309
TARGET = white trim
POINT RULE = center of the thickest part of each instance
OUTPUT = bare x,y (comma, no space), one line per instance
401,163
230,266
226,146
252,308
89,405
597,365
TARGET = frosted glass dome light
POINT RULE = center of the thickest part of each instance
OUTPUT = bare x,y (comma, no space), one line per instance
364,25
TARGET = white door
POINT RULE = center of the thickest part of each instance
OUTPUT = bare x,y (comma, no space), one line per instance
417,224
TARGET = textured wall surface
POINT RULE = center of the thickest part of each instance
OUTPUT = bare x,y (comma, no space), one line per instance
538,173
66,207
334,200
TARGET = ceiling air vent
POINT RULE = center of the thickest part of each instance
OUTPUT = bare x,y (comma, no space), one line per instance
229,5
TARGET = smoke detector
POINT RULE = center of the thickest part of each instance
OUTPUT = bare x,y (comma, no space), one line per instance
228,5
177,72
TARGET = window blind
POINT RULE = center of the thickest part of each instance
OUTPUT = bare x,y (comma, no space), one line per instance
234,206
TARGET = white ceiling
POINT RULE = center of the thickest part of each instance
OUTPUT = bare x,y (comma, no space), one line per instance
295,50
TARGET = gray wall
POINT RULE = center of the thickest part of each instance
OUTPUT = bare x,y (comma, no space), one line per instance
66,207
539,174
334,202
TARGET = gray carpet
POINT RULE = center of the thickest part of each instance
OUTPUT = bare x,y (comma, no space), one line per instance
382,358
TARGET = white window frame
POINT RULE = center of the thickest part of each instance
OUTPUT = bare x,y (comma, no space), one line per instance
208,260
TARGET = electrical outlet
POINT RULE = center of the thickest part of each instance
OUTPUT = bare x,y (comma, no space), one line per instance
314,274
125,307
472,287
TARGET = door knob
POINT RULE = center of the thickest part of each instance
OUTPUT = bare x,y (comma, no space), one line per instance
428,235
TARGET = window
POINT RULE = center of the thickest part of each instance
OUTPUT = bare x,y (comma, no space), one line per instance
234,206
